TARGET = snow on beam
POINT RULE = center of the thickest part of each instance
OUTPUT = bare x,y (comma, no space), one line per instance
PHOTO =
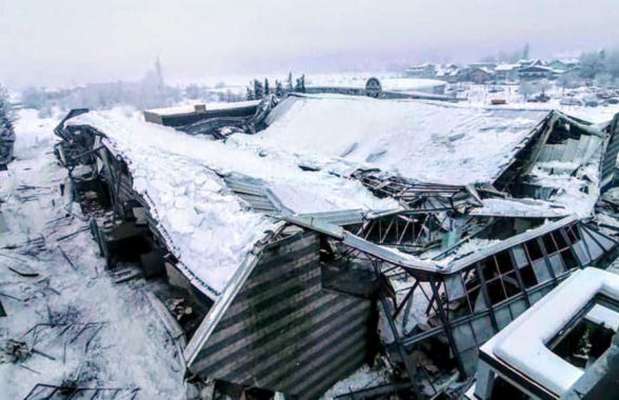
386,254
510,242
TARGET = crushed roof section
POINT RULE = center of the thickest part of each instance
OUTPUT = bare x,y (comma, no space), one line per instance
195,187
433,139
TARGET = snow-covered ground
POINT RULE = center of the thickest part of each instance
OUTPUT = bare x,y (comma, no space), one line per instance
103,334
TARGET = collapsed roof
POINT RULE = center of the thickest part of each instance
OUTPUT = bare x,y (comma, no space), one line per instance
302,162
413,186
181,177
421,141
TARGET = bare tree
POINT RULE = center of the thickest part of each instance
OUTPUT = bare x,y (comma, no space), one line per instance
7,132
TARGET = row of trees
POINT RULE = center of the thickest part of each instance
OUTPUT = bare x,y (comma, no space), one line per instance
601,68
7,132
257,90
597,63
150,91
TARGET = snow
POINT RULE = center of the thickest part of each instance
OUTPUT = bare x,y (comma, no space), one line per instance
506,67
131,349
411,84
365,377
603,315
388,83
522,344
429,142
479,95
211,230
519,208
190,108
578,192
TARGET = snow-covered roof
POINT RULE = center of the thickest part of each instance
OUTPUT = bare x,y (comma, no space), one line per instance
507,67
429,142
209,228
522,345
191,108
523,208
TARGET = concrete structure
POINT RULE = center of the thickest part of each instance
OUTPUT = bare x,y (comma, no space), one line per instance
534,356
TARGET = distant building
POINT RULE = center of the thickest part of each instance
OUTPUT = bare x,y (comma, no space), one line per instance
506,72
536,71
487,65
447,72
564,65
479,75
426,71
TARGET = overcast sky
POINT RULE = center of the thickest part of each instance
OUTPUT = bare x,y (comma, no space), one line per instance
64,42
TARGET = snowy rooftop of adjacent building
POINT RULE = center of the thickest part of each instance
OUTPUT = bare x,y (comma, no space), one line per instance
522,344
506,67
424,141
209,228
191,108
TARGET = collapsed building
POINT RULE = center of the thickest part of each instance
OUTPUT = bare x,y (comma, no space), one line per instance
345,228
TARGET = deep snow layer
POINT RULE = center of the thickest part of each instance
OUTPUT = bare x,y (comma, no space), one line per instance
126,346
210,228
429,142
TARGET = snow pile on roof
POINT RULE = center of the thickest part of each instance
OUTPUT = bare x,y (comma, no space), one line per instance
525,208
429,142
211,229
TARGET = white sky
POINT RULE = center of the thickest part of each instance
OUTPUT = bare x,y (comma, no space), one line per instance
64,42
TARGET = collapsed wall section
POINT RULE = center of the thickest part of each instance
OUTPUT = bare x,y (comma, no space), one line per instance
284,331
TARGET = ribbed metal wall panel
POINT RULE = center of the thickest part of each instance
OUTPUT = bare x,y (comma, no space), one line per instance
284,331
609,162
